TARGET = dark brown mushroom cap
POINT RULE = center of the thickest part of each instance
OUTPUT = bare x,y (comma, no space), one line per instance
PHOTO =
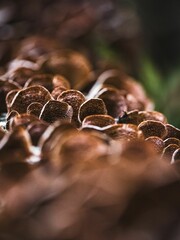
172,132
152,128
121,81
171,140
29,95
44,80
157,143
35,108
92,106
5,88
114,101
15,146
72,65
168,152
55,110
21,75
75,99
98,120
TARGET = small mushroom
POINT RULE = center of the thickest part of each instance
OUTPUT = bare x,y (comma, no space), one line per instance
114,101
35,108
98,120
121,81
55,110
152,128
92,106
75,99
29,95
171,140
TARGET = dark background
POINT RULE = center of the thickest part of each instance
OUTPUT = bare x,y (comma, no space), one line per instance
141,36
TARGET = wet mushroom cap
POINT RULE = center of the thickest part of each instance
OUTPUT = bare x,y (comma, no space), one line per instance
55,110
152,128
26,96
92,106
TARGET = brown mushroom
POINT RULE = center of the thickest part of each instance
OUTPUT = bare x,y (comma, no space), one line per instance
72,65
98,120
29,95
35,108
114,101
92,106
55,110
74,98
152,128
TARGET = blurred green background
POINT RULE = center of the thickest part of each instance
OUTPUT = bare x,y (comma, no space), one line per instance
142,37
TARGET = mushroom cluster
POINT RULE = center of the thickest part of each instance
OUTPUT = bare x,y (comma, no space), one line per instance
83,156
